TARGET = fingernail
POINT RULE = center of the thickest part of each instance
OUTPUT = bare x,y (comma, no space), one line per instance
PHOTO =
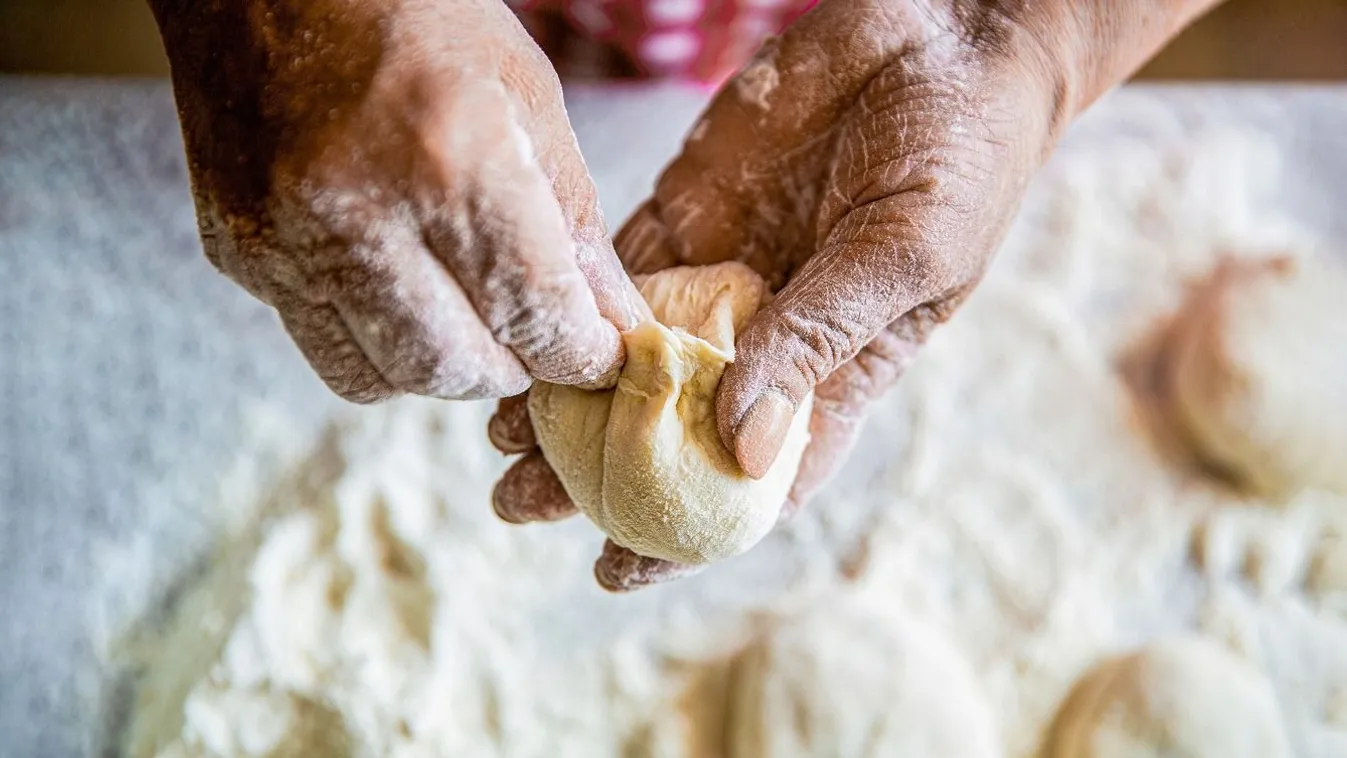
530,491
762,431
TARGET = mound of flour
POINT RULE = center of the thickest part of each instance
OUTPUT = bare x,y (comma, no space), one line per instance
1014,495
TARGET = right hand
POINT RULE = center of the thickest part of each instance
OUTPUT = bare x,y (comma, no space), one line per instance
399,180
866,164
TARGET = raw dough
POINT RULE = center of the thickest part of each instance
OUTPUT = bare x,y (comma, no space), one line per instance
1260,373
1181,698
851,682
645,461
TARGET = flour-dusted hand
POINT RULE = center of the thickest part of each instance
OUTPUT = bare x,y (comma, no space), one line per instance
399,180
867,163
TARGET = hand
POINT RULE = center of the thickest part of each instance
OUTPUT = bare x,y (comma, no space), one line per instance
867,164
399,180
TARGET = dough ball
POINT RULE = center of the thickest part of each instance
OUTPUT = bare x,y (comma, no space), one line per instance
1259,374
1181,698
644,461
844,681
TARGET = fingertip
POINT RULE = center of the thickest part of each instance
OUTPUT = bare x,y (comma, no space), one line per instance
620,570
510,430
760,434
591,361
530,491
363,388
612,367
616,295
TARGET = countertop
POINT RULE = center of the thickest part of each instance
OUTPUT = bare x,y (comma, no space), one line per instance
129,369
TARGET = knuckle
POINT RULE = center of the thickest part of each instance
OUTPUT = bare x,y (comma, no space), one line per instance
791,352
818,342
867,376
361,390
557,339
916,326
451,377
351,376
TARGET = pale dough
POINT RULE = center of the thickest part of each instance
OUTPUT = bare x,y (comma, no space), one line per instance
848,681
1259,373
1185,697
645,461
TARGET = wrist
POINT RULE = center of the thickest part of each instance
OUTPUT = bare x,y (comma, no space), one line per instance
1079,49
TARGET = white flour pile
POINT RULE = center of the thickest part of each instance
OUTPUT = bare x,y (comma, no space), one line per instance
1014,496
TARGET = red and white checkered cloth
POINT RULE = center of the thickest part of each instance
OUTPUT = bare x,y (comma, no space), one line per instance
702,40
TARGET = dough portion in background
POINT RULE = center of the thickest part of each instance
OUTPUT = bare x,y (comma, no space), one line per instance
1184,697
847,681
1259,373
644,461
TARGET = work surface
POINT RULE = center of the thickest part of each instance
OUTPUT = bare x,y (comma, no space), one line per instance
131,373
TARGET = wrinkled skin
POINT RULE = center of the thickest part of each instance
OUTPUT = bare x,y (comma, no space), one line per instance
409,198
867,163
397,178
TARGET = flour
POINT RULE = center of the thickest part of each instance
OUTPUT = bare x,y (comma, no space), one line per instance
1013,496
759,79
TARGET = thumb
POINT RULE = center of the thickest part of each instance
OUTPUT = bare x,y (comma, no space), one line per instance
837,304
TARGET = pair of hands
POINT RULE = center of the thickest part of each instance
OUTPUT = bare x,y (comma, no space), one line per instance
399,180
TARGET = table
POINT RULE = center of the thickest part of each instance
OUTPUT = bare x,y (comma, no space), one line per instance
127,365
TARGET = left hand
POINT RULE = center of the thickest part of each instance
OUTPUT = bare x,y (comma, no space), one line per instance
867,164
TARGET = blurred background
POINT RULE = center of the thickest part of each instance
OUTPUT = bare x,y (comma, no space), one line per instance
1243,39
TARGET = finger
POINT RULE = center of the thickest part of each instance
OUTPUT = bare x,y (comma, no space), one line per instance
327,345
620,570
907,231
842,299
832,436
543,116
841,404
414,324
495,224
644,244
531,491
510,429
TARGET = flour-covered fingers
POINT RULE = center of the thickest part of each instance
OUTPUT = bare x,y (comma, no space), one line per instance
542,112
327,345
620,570
841,403
496,225
842,299
510,429
530,491
408,321
644,244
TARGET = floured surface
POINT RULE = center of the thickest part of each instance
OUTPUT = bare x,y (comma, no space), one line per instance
1019,503
1014,494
